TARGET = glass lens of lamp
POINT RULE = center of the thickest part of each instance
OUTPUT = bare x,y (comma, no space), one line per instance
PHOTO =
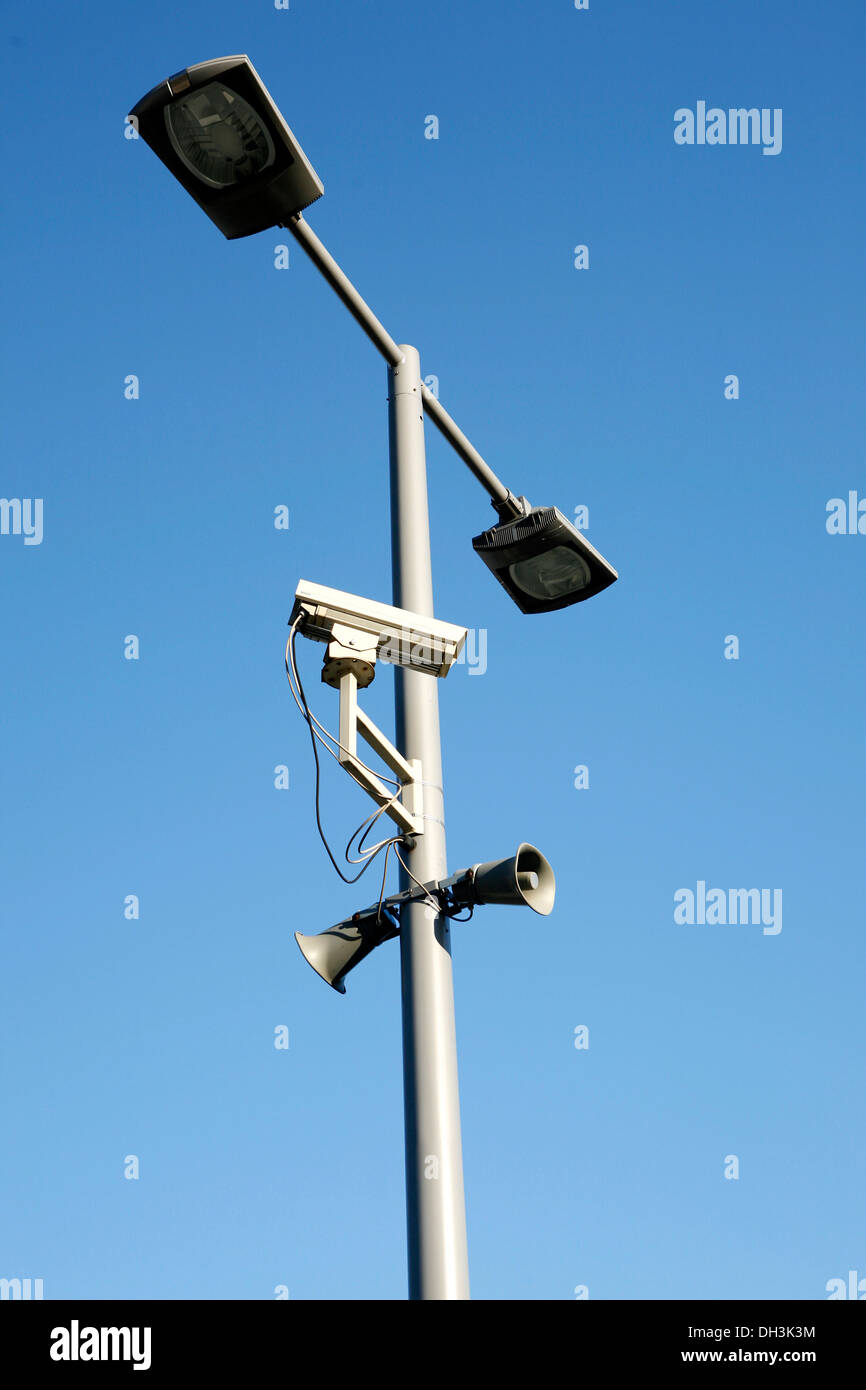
218,136
553,573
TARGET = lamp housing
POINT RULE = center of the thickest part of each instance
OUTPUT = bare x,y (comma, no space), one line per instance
216,127
543,561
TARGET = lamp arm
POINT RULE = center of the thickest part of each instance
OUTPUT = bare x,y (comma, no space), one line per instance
507,505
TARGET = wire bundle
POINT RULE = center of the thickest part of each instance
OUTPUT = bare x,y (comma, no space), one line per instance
320,735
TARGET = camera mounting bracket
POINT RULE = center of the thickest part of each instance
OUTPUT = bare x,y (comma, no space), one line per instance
408,812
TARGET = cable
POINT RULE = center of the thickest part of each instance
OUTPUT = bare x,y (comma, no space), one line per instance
452,914
431,901
384,880
366,826
305,710
309,716
367,855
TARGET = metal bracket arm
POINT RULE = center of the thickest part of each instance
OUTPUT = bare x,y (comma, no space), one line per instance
507,505
408,812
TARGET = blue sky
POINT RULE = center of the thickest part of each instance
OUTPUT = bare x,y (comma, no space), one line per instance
605,387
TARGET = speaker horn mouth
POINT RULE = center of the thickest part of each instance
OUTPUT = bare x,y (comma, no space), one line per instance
524,880
535,879
336,951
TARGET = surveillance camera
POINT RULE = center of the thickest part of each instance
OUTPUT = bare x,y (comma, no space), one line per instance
399,636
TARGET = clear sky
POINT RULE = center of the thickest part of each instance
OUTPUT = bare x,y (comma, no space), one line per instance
604,387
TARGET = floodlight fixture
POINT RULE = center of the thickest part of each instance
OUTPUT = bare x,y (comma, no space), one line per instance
216,127
543,561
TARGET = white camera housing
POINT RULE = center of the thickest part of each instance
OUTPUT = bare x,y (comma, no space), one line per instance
401,637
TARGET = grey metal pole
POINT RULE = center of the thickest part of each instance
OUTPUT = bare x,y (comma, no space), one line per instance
435,1203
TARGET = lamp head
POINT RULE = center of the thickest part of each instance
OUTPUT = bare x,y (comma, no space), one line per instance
217,129
543,561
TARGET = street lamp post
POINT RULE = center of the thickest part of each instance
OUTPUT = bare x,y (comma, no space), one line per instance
217,129
435,1206
435,1202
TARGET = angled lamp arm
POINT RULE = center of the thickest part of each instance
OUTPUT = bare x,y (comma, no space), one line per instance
507,505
